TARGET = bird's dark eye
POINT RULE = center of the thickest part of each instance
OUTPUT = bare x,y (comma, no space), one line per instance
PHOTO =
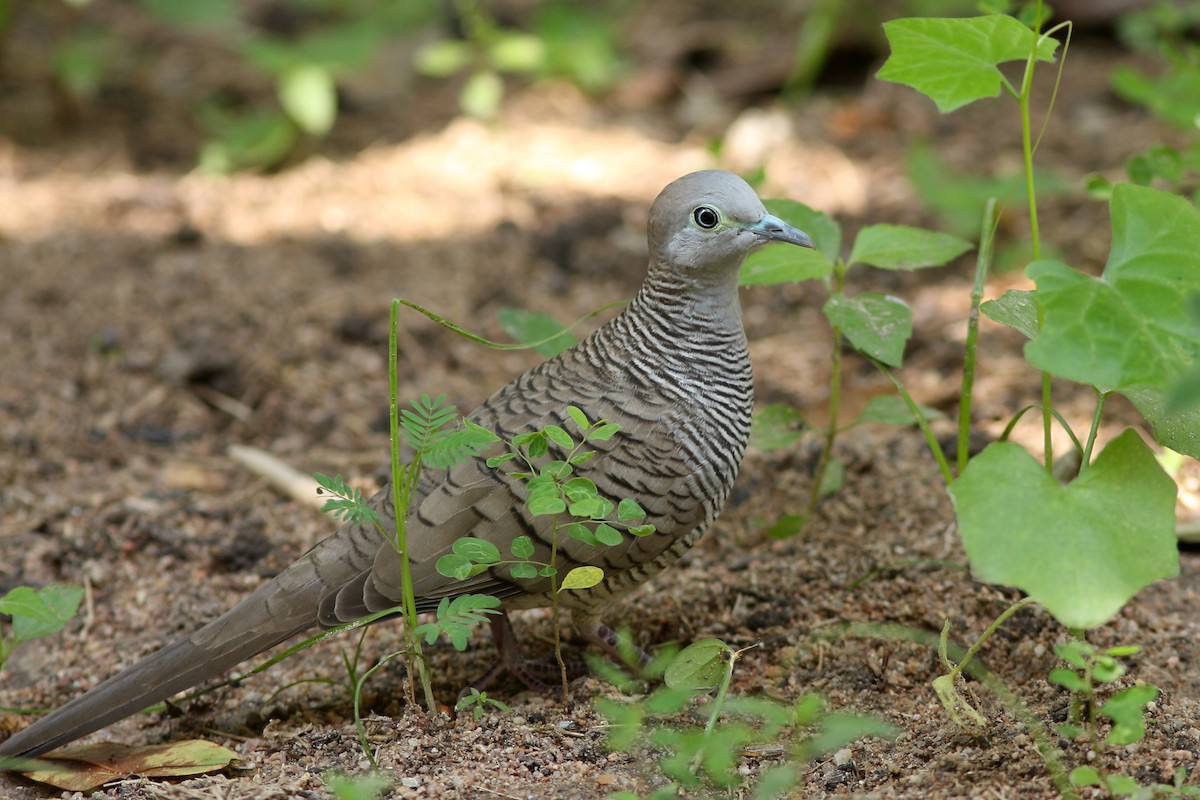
706,217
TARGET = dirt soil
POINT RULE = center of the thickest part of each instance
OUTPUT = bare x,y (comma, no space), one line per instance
152,318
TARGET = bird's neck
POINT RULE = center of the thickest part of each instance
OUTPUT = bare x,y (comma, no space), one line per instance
707,301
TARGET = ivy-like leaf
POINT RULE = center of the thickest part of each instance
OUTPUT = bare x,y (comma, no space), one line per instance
954,61
1080,550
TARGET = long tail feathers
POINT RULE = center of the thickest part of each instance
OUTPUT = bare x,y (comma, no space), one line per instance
265,618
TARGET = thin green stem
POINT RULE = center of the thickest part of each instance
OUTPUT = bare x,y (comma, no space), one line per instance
461,331
722,693
403,481
1034,235
835,398
987,240
987,634
554,618
922,422
1101,396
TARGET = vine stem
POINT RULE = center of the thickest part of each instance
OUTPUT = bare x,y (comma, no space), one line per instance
987,634
987,239
1101,396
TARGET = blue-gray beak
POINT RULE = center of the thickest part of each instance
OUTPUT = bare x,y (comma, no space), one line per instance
773,229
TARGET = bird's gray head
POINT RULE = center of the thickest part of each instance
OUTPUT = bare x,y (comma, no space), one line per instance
704,224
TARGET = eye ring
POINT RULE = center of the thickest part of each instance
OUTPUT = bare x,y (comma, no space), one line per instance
706,217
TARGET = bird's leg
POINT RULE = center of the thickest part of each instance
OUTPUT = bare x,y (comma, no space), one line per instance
540,674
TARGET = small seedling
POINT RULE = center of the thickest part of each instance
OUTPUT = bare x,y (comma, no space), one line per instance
478,702
692,757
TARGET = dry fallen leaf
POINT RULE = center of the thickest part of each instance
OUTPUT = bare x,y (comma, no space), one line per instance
90,766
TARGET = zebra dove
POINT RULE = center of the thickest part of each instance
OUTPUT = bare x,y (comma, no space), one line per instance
672,369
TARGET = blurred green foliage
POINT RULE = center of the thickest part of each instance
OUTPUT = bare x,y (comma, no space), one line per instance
308,50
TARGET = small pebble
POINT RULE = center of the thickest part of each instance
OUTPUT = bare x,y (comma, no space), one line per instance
842,757
410,783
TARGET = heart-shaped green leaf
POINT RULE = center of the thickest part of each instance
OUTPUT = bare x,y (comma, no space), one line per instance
1081,550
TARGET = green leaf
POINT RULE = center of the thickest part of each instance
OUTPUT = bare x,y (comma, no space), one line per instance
1080,550
1085,776
454,566
366,786
1173,96
40,613
309,96
1177,429
201,13
579,417
581,578
442,58
629,510
559,436
1131,329
1075,653
524,571
496,461
776,426
480,96
517,52
954,61
257,141
1068,679
603,433
788,264
875,324
641,530
522,547
1015,308
1122,651
699,667
834,477
899,247
890,409
528,327
1107,669
536,444
787,526
479,551
546,505
608,535
783,264
824,231
581,533
1125,709
1125,786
